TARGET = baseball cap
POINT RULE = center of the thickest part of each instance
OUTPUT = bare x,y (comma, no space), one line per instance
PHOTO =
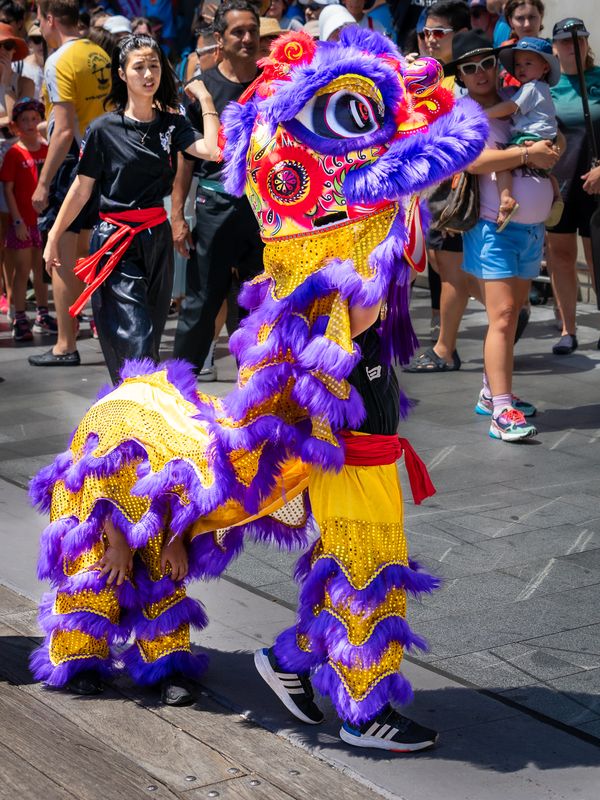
563,28
478,4
532,44
27,104
320,2
117,24
332,18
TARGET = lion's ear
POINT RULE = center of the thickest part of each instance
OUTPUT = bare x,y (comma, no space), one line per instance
417,162
237,124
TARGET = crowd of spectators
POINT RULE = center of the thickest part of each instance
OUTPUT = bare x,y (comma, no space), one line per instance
55,74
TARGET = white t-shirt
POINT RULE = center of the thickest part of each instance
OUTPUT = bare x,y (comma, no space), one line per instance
532,193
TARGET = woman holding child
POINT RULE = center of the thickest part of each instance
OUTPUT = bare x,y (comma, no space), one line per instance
503,261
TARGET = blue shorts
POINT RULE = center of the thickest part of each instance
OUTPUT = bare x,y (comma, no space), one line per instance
514,253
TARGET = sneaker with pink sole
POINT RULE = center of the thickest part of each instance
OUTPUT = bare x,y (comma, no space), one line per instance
485,405
511,426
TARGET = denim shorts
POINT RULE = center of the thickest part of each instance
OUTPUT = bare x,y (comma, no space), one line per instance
516,252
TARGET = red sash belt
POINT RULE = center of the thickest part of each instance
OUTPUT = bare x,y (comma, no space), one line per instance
374,450
129,224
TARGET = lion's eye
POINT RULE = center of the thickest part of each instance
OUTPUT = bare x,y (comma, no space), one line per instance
341,115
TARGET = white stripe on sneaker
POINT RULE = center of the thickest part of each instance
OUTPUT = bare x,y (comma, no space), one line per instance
391,733
371,732
382,731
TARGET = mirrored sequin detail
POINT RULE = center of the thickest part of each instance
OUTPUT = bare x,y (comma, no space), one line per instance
361,679
359,627
154,610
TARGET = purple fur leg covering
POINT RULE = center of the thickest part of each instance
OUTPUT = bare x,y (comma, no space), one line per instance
181,662
291,657
394,689
44,670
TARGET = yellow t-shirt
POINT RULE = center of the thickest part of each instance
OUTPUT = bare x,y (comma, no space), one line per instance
78,73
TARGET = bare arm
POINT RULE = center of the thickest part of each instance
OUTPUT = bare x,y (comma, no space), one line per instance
63,133
182,239
541,155
504,109
206,148
361,319
117,560
77,196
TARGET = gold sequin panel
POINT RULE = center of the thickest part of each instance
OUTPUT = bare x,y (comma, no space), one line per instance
360,627
153,649
289,261
103,603
116,487
361,548
71,645
154,610
360,680
150,555
85,561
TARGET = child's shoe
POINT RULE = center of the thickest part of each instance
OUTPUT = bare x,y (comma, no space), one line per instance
45,323
21,331
485,405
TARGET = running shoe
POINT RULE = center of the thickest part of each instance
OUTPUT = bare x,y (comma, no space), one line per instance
294,690
44,323
511,426
389,731
207,375
485,405
21,330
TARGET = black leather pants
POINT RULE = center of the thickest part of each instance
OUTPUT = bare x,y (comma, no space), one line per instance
132,305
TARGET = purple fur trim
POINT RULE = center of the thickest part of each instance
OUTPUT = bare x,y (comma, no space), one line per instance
412,164
393,689
238,121
42,668
207,559
40,487
186,610
290,656
190,665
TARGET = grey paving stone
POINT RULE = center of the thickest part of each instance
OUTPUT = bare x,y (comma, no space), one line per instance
571,707
553,575
579,647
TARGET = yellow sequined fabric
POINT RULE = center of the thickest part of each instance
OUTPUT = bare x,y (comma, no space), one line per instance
289,261
177,641
359,680
85,561
245,464
117,487
150,555
154,610
360,627
71,645
103,603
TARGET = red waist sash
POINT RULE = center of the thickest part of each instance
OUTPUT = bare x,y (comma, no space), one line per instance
375,450
129,224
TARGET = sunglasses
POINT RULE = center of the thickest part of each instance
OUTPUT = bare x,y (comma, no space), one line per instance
437,33
477,13
471,67
36,39
7,45
203,51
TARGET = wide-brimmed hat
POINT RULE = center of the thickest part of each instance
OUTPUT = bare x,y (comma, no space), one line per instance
20,50
531,44
564,27
468,45
270,27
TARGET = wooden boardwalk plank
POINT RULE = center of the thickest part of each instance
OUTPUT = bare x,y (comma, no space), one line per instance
18,779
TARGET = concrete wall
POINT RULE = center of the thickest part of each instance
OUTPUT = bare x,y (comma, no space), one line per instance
587,10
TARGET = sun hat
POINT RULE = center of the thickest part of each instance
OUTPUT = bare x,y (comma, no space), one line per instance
531,44
270,27
20,50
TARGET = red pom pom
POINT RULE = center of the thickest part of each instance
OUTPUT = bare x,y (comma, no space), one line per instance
295,47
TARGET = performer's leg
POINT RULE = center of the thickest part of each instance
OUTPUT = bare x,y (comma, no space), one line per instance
81,619
160,265
351,630
161,653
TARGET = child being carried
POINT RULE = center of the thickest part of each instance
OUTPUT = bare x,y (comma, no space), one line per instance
532,62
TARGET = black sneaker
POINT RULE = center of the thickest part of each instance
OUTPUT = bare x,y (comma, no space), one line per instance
51,359
295,691
389,731
86,682
175,692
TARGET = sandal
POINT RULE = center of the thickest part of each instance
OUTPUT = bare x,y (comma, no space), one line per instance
508,208
429,361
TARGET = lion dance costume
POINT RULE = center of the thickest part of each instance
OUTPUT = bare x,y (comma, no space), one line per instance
331,144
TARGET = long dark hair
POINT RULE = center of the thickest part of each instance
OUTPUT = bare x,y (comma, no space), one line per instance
165,97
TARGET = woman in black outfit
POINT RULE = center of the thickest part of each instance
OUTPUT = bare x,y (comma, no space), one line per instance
130,155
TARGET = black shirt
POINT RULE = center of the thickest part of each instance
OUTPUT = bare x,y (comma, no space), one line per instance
222,91
134,163
378,386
